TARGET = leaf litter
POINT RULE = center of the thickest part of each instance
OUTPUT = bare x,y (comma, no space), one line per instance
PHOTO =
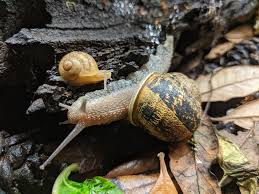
228,83
244,116
191,168
137,166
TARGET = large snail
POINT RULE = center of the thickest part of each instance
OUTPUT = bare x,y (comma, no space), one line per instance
78,68
167,105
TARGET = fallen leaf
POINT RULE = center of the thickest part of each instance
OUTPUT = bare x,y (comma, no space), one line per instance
244,116
227,83
219,50
136,184
164,184
191,169
240,33
137,166
246,142
248,146
236,166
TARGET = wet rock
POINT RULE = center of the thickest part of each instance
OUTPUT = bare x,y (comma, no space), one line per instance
14,165
36,105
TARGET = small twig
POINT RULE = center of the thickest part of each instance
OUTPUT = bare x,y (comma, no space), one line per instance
225,118
207,107
256,125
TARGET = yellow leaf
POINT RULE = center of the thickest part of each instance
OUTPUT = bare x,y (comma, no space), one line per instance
236,166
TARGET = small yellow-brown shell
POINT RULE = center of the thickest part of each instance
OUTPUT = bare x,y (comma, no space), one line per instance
167,106
79,68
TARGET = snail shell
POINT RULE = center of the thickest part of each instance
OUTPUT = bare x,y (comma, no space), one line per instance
167,106
78,68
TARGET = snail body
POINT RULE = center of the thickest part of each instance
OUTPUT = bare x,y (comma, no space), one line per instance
78,68
129,98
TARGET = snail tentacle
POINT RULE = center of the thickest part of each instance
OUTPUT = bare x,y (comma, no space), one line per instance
64,106
64,122
78,128
105,74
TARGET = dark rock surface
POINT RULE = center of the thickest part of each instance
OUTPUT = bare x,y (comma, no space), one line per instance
15,14
120,35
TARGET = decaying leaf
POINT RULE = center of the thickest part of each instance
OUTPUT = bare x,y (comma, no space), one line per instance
164,184
137,166
246,143
236,166
191,169
244,116
240,33
219,50
136,184
227,83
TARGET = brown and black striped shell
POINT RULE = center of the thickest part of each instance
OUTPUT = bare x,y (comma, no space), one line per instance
167,106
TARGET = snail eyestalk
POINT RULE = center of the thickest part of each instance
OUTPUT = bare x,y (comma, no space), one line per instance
64,122
78,128
64,106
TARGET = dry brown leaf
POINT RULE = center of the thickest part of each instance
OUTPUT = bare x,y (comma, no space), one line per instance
136,184
137,166
219,50
227,83
164,184
191,169
244,32
244,116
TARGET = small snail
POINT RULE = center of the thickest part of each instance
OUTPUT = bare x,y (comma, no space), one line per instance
78,68
167,105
